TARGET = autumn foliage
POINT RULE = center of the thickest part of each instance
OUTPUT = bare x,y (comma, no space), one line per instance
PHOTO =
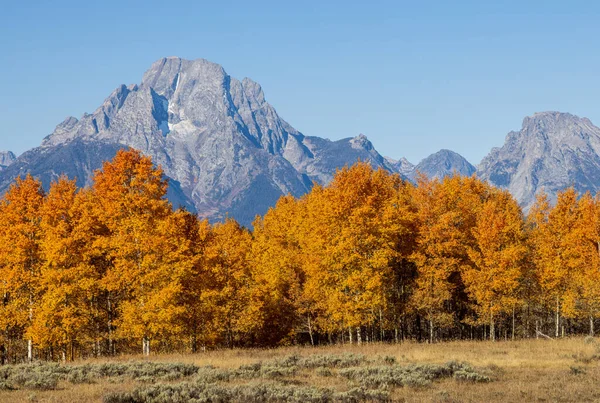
371,257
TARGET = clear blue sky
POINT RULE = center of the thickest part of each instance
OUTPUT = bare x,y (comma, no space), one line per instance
413,76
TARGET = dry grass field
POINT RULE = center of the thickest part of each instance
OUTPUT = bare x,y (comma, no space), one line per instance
566,370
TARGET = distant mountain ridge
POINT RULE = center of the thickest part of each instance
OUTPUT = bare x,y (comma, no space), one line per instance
551,152
224,148
227,152
443,163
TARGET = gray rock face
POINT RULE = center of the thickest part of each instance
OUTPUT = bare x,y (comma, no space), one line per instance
402,166
552,151
441,164
6,158
225,149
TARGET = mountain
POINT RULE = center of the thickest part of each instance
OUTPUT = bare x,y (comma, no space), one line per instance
443,163
6,158
224,148
552,151
402,166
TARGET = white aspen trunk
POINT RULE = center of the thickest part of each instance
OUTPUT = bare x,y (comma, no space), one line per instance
430,330
563,331
350,334
492,328
358,336
312,341
30,342
396,335
513,324
109,325
591,326
146,346
537,329
382,334
557,317
29,350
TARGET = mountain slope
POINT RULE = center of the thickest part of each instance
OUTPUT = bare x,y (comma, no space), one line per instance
552,151
6,158
443,163
402,166
225,149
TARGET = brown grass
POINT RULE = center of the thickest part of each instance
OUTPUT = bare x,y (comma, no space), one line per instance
526,370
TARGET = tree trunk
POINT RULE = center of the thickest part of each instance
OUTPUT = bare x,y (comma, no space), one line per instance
146,346
492,328
350,334
513,324
111,348
29,350
310,333
358,336
591,326
382,334
30,342
557,333
430,330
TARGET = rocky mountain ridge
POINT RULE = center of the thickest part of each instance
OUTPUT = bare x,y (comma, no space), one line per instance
6,158
227,152
551,152
224,147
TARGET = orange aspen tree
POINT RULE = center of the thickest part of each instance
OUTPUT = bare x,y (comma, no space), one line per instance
447,214
552,236
130,197
355,248
226,259
400,214
497,259
278,276
435,255
195,281
67,283
585,241
20,257
155,307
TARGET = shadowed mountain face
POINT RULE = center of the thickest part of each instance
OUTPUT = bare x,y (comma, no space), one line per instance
225,149
552,151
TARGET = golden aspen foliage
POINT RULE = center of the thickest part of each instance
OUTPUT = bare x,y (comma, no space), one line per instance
354,247
68,283
278,276
195,280
20,257
447,214
496,270
370,257
553,238
585,275
226,258
130,195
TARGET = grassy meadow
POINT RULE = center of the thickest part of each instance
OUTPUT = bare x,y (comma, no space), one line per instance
526,370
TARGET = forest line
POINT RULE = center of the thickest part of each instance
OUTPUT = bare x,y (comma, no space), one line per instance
114,269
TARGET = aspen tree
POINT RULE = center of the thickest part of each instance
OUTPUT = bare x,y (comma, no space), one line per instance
20,257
